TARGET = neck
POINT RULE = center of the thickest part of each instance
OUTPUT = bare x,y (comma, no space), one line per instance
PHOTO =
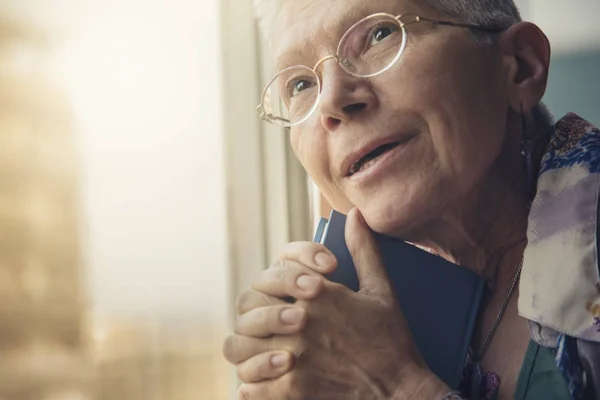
486,230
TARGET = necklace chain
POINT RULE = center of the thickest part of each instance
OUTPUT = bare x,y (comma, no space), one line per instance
488,339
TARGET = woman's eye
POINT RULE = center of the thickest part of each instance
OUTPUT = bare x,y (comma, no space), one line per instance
299,86
381,33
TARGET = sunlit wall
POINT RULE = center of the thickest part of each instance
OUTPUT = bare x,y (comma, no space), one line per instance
143,80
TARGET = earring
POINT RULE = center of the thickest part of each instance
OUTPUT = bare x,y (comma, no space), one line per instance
527,153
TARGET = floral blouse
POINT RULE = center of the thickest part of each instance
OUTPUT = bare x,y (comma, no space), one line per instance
560,281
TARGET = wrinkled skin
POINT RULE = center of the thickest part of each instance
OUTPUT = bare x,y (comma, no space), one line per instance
325,359
457,188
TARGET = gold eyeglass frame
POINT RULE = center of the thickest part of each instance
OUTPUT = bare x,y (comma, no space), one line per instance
265,116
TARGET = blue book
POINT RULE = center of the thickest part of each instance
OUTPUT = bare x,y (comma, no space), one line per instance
439,299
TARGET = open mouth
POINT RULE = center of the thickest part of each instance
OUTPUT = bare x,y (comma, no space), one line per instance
372,157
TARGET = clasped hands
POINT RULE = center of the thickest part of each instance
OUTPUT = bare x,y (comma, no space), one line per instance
331,343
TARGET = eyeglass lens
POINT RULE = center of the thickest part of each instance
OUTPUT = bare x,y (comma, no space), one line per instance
370,47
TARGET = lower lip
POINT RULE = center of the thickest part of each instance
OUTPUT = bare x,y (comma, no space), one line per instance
380,164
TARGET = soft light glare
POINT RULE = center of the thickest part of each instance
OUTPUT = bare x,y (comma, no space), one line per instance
144,78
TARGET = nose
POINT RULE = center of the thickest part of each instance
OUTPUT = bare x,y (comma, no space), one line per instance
343,97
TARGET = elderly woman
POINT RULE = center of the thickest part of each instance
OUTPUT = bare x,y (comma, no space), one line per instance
422,120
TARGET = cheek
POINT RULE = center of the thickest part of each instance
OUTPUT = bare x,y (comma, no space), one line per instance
311,150
465,145
466,114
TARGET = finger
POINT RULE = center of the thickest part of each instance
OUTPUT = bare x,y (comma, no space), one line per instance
260,391
237,349
289,278
251,299
290,386
273,320
312,255
372,277
265,366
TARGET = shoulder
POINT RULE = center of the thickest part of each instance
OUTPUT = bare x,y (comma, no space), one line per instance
560,282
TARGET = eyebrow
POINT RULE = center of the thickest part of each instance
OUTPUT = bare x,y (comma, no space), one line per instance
334,30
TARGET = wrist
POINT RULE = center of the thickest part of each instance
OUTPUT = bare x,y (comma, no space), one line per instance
423,385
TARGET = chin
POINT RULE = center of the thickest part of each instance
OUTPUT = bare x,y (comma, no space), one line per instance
394,215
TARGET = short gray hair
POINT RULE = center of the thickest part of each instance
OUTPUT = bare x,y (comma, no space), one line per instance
490,13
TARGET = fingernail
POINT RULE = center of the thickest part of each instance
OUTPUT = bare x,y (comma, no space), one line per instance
291,316
324,259
307,282
279,360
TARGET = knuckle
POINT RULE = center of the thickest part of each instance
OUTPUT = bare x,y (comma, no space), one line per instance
287,275
309,247
290,249
242,300
243,393
252,299
284,273
252,322
314,248
281,263
228,348
307,250
244,372
302,251
267,317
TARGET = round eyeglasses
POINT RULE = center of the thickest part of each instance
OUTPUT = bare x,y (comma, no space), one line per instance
370,47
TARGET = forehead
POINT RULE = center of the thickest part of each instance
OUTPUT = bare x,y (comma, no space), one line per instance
307,29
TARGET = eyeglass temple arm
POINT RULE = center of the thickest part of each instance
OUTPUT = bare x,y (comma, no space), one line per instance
418,18
268,116
470,26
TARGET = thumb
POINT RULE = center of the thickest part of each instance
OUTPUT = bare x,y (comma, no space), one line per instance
372,277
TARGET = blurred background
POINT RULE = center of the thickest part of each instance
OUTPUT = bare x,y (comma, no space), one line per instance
139,194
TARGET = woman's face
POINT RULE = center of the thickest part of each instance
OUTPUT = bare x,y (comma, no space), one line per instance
444,104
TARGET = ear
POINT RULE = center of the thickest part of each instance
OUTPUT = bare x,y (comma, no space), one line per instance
529,52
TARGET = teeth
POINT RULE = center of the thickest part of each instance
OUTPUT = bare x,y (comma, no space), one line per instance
370,158
368,163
